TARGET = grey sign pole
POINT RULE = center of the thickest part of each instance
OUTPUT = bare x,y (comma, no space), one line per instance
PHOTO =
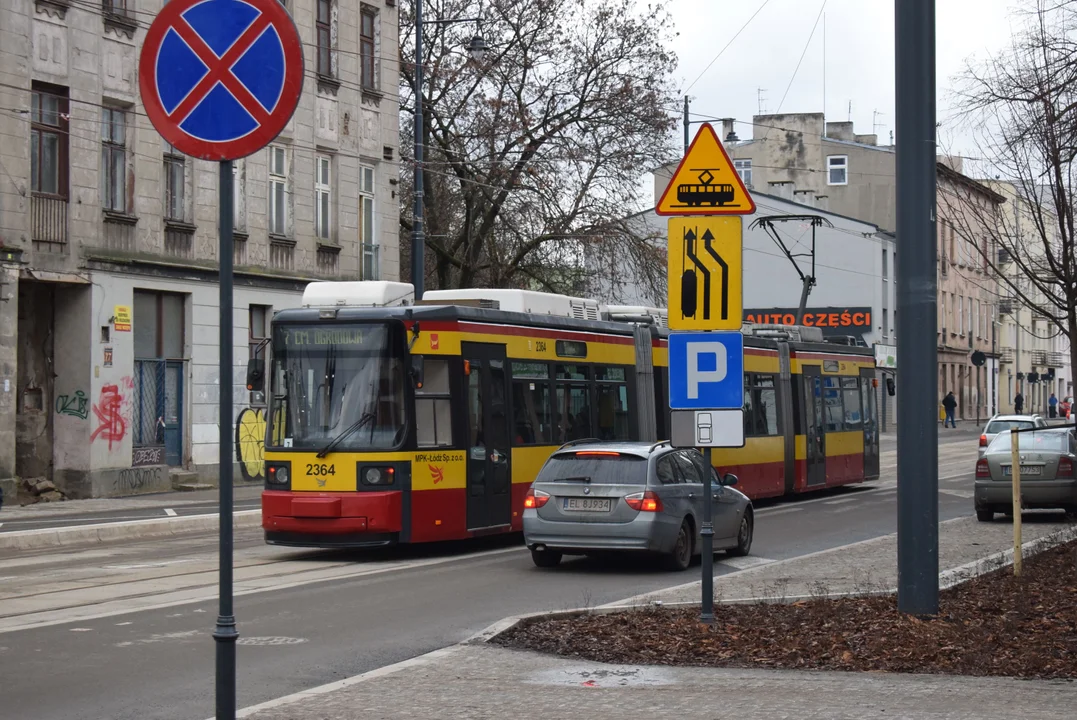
706,534
225,634
917,413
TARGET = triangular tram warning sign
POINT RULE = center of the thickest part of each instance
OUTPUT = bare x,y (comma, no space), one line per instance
705,182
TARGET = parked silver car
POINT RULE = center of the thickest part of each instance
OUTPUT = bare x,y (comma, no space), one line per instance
593,497
1048,459
1004,423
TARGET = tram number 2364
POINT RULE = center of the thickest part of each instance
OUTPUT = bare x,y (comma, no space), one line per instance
321,469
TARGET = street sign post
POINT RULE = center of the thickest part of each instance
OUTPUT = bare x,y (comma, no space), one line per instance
219,80
706,369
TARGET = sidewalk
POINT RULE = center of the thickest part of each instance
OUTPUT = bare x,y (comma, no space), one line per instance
477,680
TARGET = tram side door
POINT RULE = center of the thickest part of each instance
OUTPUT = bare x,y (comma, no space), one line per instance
871,424
489,476
814,425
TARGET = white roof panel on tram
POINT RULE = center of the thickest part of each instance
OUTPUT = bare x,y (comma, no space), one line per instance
363,293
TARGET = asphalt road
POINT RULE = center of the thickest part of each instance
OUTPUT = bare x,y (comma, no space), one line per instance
351,613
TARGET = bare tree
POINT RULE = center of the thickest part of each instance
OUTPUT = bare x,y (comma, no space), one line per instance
534,157
1023,104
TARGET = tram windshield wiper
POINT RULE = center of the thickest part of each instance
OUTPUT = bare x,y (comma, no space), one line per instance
363,420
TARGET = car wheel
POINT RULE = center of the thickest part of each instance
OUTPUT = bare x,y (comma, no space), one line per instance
546,558
744,535
985,515
681,555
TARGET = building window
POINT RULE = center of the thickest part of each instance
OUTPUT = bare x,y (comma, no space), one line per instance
278,190
324,27
258,331
48,141
886,324
367,21
886,266
114,158
175,185
368,242
323,197
837,168
744,169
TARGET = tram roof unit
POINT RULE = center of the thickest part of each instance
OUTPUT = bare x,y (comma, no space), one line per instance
365,300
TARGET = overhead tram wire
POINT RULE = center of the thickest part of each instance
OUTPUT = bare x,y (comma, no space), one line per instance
801,60
726,47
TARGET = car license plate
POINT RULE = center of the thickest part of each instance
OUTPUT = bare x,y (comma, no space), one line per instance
1025,470
582,504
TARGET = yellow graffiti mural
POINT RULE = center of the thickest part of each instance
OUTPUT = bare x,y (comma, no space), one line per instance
250,443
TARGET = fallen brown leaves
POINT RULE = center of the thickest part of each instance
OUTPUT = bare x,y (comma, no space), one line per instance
993,625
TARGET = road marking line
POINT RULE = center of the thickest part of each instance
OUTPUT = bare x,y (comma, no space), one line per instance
124,623
207,593
958,493
841,501
80,629
777,510
170,512
743,563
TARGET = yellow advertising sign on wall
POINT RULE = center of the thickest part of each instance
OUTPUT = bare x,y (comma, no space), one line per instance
121,318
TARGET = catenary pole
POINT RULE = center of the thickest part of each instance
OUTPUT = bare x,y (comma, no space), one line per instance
917,427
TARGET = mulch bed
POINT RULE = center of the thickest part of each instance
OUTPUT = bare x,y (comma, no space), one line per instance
995,624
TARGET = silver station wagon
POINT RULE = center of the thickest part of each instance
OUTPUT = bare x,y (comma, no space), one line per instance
1048,460
594,497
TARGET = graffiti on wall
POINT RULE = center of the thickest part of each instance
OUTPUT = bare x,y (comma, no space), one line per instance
77,405
153,455
250,443
137,479
111,425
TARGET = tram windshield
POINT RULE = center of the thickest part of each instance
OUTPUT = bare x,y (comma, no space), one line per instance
339,384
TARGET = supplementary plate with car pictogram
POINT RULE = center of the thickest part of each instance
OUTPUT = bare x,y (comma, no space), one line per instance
220,79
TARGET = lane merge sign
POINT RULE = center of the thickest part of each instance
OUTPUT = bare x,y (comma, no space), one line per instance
220,79
705,268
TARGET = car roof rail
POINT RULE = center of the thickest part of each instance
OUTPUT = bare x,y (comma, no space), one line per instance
658,444
578,441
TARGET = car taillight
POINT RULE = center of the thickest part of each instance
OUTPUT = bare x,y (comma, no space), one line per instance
982,470
983,441
1065,467
644,502
535,499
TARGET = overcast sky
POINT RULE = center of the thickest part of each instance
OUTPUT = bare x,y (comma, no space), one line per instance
859,57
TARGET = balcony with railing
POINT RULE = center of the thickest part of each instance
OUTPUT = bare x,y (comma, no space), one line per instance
1006,355
1039,358
48,224
1057,359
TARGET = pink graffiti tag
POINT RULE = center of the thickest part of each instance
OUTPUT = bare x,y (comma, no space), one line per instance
110,423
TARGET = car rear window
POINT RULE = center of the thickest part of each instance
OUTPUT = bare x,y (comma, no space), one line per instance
599,469
1033,442
997,426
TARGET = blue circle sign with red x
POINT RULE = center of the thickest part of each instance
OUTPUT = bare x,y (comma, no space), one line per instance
221,78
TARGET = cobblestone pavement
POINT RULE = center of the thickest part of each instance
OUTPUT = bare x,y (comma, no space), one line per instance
476,680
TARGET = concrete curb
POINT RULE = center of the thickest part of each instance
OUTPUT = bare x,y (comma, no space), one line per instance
131,530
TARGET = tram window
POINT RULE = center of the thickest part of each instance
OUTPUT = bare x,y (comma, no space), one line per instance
760,405
832,402
531,405
433,409
609,374
612,411
573,412
850,390
572,372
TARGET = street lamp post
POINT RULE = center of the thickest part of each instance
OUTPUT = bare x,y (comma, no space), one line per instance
477,49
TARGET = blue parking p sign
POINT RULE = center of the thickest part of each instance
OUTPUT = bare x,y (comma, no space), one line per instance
706,370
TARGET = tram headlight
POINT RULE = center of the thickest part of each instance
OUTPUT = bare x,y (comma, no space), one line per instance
278,474
378,476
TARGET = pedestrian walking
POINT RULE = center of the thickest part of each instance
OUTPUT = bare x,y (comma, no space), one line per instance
949,403
1018,402
1052,406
